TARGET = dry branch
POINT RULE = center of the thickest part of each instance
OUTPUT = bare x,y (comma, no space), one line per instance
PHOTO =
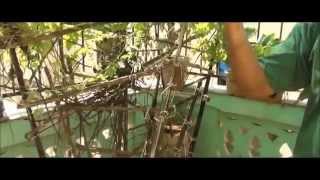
84,107
5,42
22,87
104,84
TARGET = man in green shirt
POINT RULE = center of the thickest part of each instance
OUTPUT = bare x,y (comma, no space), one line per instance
294,64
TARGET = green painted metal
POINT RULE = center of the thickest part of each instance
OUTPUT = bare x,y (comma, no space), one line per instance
231,127
235,127
14,144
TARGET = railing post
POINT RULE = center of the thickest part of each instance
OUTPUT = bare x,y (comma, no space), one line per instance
258,31
281,29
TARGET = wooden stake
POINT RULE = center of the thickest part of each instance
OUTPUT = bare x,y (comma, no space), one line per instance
19,74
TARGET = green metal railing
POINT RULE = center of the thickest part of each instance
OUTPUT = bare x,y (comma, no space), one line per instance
235,127
14,144
231,127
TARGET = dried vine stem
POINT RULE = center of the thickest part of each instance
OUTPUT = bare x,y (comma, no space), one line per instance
155,60
149,117
91,86
163,114
41,61
102,107
188,121
22,87
6,43
107,96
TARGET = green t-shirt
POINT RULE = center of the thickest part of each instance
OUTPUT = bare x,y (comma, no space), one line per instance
295,64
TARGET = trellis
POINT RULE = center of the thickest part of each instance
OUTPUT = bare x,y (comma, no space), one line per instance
107,96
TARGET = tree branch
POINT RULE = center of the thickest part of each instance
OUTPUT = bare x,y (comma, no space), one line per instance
5,42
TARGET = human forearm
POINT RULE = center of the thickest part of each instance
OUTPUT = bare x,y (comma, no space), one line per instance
246,72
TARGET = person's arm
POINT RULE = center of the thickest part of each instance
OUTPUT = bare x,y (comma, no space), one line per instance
246,72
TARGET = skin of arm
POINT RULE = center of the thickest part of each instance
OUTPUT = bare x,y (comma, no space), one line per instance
247,75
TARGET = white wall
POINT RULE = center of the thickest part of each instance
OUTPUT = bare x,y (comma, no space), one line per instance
271,27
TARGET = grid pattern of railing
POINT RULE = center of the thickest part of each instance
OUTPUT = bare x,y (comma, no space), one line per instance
280,29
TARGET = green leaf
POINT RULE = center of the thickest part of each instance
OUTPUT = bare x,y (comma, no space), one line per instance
38,113
250,32
118,26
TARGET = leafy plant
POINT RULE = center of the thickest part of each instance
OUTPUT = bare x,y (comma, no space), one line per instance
210,41
264,45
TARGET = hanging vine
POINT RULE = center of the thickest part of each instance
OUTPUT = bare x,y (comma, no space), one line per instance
94,72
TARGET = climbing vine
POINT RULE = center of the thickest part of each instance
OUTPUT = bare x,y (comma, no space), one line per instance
86,67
